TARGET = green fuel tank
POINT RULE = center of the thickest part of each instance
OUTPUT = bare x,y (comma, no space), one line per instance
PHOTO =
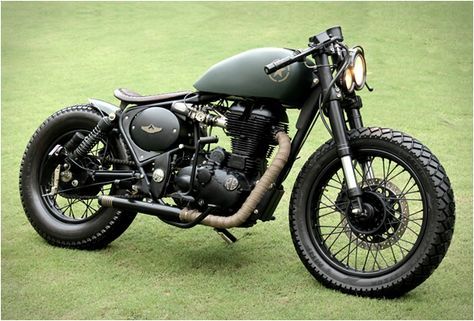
243,75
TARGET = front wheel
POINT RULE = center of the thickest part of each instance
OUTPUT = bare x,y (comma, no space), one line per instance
410,206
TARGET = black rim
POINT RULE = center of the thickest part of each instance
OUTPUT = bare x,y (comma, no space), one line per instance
64,206
384,242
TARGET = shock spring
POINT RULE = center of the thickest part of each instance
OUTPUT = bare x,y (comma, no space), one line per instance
103,126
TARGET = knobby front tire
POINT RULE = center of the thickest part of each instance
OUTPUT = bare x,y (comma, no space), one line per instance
409,232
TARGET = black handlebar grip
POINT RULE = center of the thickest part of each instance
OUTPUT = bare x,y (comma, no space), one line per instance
270,68
274,66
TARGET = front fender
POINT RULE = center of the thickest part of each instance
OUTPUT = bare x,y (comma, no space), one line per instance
103,107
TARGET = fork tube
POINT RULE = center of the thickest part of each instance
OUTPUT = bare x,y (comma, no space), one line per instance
338,127
355,122
343,150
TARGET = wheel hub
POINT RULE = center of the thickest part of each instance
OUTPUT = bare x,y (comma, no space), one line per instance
375,217
387,216
74,176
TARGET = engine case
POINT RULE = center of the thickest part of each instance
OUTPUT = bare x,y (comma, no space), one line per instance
215,185
155,129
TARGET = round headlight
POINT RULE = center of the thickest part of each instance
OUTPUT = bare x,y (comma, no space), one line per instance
359,70
347,80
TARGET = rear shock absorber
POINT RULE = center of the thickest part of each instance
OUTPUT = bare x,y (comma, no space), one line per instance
103,127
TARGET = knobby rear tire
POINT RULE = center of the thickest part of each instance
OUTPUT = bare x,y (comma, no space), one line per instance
94,233
434,241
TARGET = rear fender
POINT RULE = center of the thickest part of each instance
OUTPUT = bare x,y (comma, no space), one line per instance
103,107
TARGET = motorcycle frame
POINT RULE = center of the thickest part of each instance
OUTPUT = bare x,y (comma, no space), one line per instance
334,107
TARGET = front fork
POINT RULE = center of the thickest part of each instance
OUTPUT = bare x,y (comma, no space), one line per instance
355,122
336,120
338,128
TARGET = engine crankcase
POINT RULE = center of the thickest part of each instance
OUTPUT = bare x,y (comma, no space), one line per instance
222,187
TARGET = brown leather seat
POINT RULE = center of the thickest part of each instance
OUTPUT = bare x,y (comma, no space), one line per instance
130,97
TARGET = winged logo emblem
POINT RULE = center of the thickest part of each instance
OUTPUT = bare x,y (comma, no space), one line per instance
151,129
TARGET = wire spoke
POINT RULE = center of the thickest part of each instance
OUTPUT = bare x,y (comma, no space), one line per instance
337,182
333,203
349,251
402,248
330,226
414,222
386,179
88,208
335,233
404,187
340,250
339,179
324,241
334,241
383,258
393,253
375,260
332,186
364,173
331,206
403,240
72,212
402,223
356,247
65,206
326,214
366,257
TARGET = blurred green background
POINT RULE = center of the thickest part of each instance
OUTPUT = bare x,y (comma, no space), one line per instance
58,54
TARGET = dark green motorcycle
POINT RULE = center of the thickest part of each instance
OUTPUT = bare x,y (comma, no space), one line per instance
371,212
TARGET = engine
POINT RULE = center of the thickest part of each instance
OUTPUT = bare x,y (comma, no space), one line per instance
252,132
225,178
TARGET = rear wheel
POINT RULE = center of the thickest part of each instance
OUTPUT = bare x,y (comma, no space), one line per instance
410,221
61,203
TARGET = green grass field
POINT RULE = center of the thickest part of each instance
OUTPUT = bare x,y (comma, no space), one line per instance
58,54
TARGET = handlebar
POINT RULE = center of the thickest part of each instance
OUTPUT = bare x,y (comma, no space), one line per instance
274,66
322,40
283,62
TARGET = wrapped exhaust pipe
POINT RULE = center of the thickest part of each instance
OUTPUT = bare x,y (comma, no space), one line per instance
255,196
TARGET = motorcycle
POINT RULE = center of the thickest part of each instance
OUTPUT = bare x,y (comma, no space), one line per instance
371,212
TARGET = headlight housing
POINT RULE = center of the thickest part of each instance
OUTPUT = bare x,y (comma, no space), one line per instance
356,71
348,80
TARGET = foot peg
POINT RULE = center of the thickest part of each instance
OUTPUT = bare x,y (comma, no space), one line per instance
183,198
227,236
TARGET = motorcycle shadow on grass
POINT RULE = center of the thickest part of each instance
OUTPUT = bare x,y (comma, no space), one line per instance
203,257
203,254
215,259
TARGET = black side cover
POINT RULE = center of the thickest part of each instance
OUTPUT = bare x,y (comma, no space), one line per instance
155,129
